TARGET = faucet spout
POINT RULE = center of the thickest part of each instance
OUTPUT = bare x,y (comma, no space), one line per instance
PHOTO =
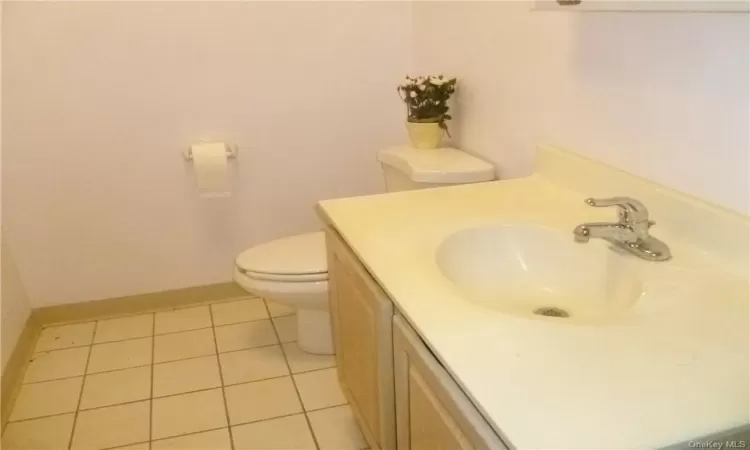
629,233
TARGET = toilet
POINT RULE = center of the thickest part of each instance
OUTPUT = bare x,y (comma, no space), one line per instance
292,270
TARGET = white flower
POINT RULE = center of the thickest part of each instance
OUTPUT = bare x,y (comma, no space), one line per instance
436,81
412,94
422,87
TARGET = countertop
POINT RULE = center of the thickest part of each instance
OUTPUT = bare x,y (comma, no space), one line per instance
677,369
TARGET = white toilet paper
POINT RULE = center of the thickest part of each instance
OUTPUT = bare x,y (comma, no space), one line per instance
210,162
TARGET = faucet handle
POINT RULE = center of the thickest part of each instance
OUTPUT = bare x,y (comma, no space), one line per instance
631,210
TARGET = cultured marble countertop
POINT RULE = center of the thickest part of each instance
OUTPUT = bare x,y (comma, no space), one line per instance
677,369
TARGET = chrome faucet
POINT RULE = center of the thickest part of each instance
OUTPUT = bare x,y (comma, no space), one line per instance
629,233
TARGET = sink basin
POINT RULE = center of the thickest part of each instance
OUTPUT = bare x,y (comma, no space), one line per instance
539,272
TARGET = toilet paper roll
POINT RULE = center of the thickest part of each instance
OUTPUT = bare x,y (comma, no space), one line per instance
210,162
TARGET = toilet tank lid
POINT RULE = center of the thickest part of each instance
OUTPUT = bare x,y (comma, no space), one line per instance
439,165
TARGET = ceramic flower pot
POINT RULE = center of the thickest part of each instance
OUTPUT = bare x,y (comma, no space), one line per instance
424,135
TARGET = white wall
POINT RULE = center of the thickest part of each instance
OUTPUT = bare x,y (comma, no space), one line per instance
14,303
102,97
664,96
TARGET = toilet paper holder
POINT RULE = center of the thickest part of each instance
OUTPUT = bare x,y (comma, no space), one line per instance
231,149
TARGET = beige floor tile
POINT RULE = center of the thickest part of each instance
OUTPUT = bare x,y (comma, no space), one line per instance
188,413
319,389
261,400
113,388
76,335
336,429
208,440
286,327
237,311
245,335
278,310
114,426
253,364
120,355
182,320
189,344
57,364
284,433
188,375
124,328
300,361
48,433
47,398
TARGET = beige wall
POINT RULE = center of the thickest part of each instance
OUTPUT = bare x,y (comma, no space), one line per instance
664,96
14,303
102,97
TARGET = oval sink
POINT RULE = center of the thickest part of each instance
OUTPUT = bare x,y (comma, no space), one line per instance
538,272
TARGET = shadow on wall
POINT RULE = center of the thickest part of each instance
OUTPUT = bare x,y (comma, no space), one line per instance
14,302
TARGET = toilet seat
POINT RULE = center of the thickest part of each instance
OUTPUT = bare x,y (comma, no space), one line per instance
285,278
289,259
305,294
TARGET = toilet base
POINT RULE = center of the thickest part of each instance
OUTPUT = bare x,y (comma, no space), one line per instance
314,331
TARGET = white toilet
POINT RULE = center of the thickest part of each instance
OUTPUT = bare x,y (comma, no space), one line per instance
292,270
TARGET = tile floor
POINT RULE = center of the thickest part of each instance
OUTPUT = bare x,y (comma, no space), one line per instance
223,376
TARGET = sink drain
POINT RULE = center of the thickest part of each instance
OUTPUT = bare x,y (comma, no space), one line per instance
551,312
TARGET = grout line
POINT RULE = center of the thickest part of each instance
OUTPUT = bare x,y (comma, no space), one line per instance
144,312
184,359
276,344
83,386
151,393
40,417
85,374
221,377
326,407
294,383
188,392
270,418
129,402
160,334
189,434
281,344
128,445
275,377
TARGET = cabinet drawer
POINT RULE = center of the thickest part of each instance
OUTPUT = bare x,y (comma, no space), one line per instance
432,413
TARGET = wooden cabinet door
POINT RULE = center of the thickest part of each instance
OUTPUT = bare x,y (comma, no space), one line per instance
432,413
361,316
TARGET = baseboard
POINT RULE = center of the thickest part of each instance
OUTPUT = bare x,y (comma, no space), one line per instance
15,368
134,304
93,310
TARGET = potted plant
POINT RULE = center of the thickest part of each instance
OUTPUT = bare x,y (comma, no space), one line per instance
426,99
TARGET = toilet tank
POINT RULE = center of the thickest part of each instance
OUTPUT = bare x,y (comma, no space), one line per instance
406,168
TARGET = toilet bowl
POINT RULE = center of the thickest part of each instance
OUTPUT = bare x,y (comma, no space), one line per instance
292,271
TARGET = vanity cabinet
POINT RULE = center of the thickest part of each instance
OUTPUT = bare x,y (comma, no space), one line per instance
362,318
432,412
417,406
